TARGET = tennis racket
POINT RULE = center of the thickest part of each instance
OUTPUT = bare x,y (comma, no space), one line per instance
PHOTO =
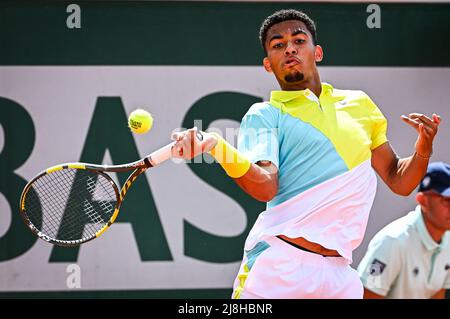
73,203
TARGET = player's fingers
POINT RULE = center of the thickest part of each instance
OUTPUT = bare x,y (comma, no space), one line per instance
177,136
436,119
192,132
431,130
424,131
189,146
421,117
413,123
173,137
177,150
196,141
429,125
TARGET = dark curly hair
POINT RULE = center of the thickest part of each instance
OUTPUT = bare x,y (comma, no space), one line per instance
285,15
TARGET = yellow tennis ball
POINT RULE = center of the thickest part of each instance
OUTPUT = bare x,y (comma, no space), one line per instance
140,121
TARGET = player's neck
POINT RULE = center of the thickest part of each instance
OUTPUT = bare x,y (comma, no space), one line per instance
314,85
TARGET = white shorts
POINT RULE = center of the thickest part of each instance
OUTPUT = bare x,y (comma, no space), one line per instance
275,269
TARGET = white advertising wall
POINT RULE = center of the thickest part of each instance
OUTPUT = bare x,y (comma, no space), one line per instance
61,101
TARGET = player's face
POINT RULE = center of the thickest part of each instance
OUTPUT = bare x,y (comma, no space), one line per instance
291,54
438,210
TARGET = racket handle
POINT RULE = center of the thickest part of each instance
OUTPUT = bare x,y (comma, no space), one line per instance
161,155
165,153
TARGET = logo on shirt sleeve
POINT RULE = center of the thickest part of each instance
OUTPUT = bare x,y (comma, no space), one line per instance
376,267
447,267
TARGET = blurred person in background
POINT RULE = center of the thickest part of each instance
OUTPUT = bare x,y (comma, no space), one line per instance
410,257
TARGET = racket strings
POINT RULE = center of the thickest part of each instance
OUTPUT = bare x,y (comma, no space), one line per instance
70,204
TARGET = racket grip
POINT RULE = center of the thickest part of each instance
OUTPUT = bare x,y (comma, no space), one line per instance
161,155
165,153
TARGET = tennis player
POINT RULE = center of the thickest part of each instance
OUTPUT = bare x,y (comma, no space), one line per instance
311,153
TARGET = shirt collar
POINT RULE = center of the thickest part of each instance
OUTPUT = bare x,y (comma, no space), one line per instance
286,96
424,235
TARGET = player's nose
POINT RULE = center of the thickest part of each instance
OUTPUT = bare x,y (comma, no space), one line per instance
290,49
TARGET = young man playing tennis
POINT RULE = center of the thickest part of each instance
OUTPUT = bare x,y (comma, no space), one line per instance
311,153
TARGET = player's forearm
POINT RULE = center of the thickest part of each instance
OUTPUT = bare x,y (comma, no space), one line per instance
407,173
260,182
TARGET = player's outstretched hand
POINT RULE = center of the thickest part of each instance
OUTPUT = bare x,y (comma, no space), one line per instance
427,129
192,142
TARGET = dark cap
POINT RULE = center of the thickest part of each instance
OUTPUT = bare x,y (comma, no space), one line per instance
437,179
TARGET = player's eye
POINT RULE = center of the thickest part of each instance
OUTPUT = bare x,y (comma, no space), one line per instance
278,45
300,41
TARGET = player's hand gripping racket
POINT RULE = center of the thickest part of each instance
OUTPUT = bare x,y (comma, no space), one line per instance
72,203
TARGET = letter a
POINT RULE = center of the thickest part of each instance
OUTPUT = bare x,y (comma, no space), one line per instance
374,20
73,20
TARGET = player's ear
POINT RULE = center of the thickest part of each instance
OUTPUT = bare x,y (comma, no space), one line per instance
318,54
421,200
267,66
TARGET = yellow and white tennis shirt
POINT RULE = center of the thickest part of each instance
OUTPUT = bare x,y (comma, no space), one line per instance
322,148
403,260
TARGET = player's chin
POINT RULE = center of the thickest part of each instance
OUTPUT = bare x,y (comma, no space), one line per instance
294,76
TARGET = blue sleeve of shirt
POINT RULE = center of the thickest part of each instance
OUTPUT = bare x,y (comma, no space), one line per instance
258,134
